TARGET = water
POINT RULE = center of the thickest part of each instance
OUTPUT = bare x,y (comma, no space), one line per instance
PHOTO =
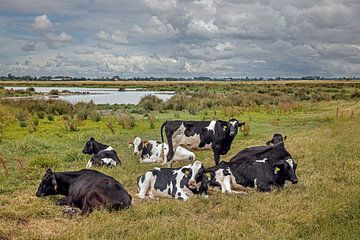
102,95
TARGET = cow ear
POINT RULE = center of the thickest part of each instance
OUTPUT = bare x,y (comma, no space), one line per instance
130,144
145,141
54,183
185,171
92,139
285,137
269,142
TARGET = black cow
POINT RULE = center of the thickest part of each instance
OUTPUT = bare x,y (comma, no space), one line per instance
259,174
276,139
180,183
102,154
85,189
216,135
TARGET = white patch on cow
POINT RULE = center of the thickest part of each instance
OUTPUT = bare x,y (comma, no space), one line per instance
137,141
190,143
262,161
89,164
211,126
109,161
109,148
255,183
233,123
290,162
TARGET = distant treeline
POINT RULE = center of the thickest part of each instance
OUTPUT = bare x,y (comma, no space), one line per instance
202,78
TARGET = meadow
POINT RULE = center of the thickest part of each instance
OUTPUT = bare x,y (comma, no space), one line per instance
321,120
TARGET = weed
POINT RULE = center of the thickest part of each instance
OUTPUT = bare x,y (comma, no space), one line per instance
126,120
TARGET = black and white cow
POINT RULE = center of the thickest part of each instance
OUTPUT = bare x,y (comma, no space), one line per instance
102,154
198,135
272,152
85,189
276,139
259,174
150,151
180,183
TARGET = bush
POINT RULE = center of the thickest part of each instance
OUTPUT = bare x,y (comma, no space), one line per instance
110,124
150,102
40,114
72,123
50,117
95,117
54,92
22,117
126,120
152,121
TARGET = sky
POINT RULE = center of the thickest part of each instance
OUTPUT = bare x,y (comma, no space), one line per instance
180,38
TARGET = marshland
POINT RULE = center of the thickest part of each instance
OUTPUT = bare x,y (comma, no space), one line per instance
320,118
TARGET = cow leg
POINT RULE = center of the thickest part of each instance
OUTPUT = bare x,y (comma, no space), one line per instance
216,151
181,196
91,201
144,187
63,201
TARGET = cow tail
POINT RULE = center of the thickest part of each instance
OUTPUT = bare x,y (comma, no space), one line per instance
162,155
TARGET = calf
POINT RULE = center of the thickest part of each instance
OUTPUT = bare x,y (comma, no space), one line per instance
180,183
198,135
85,189
150,151
102,154
276,139
260,174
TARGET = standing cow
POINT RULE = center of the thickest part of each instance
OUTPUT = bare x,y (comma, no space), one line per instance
102,154
150,151
199,135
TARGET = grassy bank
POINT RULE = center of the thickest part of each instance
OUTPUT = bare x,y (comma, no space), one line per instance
322,136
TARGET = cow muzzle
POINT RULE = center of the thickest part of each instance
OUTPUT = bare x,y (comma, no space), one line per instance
135,153
192,184
294,181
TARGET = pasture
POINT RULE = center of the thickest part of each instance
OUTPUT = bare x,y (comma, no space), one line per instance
323,137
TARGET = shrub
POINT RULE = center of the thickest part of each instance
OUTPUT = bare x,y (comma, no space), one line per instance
150,102
84,110
110,124
30,89
72,123
95,117
22,117
54,92
126,120
40,114
152,121
50,117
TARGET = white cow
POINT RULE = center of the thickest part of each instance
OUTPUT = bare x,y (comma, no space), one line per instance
150,151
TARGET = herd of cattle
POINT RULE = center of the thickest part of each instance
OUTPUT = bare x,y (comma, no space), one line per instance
260,167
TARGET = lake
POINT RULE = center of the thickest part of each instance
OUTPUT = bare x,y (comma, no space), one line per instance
102,95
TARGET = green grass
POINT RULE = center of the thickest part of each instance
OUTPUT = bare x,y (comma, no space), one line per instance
323,205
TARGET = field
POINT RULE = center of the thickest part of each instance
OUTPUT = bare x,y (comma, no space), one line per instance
323,137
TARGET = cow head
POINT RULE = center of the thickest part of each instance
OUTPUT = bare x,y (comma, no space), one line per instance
138,145
194,174
286,168
233,125
89,146
216,174
276,139
48,185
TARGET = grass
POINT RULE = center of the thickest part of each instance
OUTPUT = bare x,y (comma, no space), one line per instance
322,137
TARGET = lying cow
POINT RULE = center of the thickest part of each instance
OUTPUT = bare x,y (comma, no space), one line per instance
272,152
85,189
276,139
102,154
198,135
150,151
259,174
180,183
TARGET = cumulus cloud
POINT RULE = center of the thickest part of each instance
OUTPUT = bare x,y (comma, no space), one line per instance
161,5
55,41
116,37
42,24
156,26
29,46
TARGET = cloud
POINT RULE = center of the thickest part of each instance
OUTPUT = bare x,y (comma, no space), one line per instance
161,5
55,41
201,27
116,37
42,24
29,46
156,27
